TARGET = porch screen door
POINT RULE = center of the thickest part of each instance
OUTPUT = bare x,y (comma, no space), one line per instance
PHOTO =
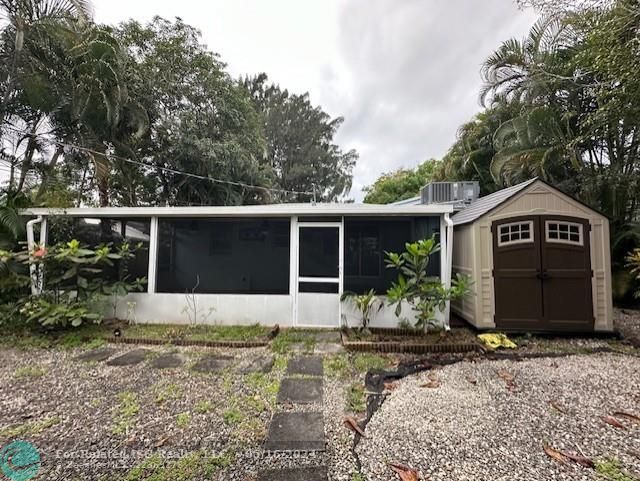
320,259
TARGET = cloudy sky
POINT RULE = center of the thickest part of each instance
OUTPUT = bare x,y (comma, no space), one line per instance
403,73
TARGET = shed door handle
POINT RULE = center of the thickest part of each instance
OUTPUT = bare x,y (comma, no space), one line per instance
543,275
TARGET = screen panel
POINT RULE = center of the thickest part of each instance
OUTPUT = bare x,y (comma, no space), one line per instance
224,256
319,254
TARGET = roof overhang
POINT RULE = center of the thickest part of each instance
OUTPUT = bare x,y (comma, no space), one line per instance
274,210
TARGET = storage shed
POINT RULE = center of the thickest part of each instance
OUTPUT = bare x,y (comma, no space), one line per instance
539,260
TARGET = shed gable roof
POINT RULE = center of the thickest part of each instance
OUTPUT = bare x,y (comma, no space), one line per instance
489,202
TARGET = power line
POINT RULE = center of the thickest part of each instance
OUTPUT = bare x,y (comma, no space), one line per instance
167,169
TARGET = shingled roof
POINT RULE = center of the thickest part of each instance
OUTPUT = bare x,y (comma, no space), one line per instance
489,202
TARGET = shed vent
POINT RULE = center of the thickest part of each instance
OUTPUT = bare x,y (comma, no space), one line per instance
450,192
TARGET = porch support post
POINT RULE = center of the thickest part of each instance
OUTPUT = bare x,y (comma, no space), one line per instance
293,269
153,256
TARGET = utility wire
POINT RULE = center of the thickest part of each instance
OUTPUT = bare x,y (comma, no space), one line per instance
165,169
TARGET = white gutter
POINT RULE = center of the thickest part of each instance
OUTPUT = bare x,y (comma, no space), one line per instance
448,268
36,280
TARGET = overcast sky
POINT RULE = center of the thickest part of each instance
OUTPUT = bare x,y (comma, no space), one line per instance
403,73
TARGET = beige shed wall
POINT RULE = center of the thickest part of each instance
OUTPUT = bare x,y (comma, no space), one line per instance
538,199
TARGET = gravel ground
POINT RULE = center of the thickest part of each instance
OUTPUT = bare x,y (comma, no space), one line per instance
488,431
72,407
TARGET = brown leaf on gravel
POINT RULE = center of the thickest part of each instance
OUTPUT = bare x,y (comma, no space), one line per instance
431,383
161,442
578,458
613,422
471,380
390,385
557,407
554,453
508,378
405,473
622,414
352,424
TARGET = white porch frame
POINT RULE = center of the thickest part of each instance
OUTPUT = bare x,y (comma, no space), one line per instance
296,278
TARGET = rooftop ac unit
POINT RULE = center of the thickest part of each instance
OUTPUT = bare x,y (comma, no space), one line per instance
450,192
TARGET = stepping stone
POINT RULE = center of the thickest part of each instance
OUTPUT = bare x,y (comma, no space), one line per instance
295,431
328,348
318,473
167,361
300,391
327,336
209,364
262,364
130,358
305,365
96,355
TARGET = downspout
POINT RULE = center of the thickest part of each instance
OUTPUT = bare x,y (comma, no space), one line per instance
36,280
448,268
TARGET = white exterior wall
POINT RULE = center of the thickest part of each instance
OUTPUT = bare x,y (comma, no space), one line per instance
473,250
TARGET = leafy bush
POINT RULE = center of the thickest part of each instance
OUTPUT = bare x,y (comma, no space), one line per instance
367,304
72,281
425,294
633,263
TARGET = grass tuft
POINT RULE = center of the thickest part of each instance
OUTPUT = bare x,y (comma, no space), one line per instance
356,398
125,412
29,429
183,420
611,470
27,372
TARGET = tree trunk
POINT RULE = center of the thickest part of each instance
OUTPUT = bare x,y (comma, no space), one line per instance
101,163
48,170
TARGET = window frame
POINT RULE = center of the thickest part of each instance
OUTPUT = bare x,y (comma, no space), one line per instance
568,241
510,242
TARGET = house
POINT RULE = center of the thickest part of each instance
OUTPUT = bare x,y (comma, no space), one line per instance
283,264
539,259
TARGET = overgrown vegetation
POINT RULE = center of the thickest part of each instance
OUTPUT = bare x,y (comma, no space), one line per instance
76,286
125,413
356,398
195,465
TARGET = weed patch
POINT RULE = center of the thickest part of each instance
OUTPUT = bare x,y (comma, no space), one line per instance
29,429
27,372
126,412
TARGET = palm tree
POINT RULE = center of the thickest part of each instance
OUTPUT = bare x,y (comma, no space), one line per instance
530,69
537,143
26,17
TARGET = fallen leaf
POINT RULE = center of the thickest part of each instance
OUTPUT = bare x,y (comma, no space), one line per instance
405,473
613,422
631,417
578,458
431,383
554,453
471,380
390,385
353,425
508,378
161,442
557,407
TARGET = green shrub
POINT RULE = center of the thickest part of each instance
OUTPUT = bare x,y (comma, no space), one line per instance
424,294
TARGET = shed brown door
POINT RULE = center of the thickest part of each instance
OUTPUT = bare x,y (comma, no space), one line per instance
542,274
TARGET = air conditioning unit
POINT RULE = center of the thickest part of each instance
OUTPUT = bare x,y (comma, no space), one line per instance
450,192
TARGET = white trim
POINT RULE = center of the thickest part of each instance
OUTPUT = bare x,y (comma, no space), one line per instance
569,224
446,261
531,238
332,280
295,247
293,269
247,210
153,255
319,224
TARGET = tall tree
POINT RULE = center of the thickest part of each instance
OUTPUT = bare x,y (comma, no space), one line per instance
400,184
201,122
300,143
